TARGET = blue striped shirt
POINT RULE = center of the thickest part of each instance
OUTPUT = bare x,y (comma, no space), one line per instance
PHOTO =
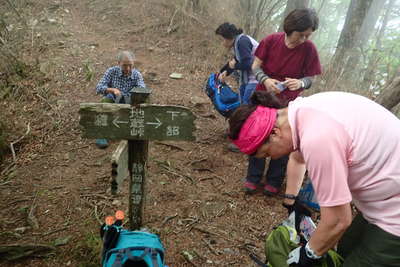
114,78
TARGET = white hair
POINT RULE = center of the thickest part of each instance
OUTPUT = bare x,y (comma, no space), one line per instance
125,55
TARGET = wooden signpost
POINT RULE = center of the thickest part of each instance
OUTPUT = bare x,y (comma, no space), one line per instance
138,123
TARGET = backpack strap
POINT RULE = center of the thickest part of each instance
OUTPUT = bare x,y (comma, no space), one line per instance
118,258
127,251
154,254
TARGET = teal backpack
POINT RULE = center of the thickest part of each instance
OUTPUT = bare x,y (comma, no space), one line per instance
123,248
135,249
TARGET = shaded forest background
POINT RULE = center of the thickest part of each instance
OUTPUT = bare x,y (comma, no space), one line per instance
52,53
358,42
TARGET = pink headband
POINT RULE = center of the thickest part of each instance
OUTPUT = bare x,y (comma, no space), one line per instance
255,129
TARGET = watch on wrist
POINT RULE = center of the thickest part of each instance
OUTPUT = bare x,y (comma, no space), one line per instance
302,85
289,196
310,253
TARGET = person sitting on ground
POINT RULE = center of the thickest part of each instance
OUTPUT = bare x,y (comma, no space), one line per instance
244,47
291,58
117,82
351,148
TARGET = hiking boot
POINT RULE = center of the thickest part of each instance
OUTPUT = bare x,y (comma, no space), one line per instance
233,148
250,188
270,190
102,143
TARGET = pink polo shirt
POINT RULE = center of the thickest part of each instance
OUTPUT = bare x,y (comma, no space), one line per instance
351,147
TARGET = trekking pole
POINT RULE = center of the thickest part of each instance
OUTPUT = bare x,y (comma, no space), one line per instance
257,260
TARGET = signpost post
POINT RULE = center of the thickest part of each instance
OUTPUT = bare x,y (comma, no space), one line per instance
138,123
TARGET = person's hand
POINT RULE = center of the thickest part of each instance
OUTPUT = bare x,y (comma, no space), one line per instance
222,76
299,258
270,85
299,209
292,84
232,63
115,91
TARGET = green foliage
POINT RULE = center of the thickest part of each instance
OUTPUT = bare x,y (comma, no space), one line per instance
88,71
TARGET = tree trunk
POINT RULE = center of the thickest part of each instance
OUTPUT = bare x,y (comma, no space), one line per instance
369,74
256,14
390,96
362,38
292,5
245,10
354,20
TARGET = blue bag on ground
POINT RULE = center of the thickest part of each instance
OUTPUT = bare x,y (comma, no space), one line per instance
224,99
307,195
123,248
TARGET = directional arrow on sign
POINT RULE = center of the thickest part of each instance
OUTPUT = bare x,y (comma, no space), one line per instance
116,122
157,124
142,122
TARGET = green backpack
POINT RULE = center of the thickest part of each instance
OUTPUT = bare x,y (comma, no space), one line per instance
280,242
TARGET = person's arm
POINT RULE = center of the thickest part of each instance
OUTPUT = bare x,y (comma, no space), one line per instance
245,48
295,84
263,78
334,222
296,168
104,83
139,80
325,145
227,69
307,82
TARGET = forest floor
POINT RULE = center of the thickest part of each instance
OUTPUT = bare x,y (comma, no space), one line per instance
58,191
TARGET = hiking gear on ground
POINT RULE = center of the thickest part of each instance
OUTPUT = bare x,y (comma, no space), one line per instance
135,247
298,208
300,257
119,215
256,129
307,195
270,190
257,260
123,248
102,143
284,239
224,99
300,212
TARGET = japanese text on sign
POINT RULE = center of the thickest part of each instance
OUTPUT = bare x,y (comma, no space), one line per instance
136,122
101,120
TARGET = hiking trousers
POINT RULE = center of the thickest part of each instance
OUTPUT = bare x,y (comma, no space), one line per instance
366,245
275,174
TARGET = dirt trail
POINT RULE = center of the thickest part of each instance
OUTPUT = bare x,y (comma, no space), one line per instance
68,183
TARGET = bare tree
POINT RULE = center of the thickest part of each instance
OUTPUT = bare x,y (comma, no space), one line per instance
369,74
356,14
256,14
390,97
362,38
